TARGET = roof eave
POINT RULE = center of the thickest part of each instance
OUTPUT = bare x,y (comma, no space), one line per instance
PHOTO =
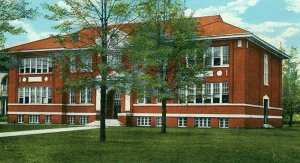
251,37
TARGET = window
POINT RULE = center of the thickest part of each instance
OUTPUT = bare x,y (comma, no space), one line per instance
216,92
83,119
158,121
191,94
34,118
35,65
72,65
143,121
225,96
35,95
86,62
47,119
266,69
223,122
72,119
86,96
72,97
217,56
207,92
114,58
20,118
182,122
202,122
144,99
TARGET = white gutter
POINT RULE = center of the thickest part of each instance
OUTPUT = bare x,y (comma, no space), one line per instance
44,50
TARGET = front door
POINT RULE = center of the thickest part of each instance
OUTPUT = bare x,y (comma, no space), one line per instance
266,105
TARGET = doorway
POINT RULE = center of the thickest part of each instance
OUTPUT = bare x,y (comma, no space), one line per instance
113,104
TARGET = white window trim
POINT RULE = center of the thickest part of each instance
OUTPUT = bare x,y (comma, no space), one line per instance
87,92
182,122
222,122
143,121
158,121
48,119
266,69
36,89
206,122
221,57
203,93
20,118
35,67
71,119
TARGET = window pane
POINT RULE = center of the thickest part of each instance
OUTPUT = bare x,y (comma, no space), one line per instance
217,56
225,55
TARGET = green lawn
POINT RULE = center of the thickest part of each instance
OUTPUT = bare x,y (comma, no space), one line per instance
23,127
148,145
3,118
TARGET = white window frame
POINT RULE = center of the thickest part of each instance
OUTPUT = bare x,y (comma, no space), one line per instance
114,58
143,99
47,119
72,97
71,119
20,118
208,91
182,122
34,119
87,64
35,63
143,121
83,119
222,55
158,121
35,95
202,122
86,96
266,69
224,122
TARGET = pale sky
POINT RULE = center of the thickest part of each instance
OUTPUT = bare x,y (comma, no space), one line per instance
275,21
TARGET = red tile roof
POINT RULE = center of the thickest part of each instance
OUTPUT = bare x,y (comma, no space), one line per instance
209,26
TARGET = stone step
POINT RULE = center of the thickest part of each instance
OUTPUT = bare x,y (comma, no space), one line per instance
108,123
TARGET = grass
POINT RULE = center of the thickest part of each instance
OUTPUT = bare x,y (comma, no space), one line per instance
18,127
132,144
3,118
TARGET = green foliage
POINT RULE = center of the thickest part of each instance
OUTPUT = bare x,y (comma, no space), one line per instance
164,51
13,10
132,144
291,86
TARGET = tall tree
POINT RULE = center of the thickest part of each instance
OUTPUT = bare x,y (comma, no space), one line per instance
291,86
98,17
13,10
165,54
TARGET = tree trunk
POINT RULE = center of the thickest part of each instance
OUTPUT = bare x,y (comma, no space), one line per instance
103,113
291,119
164,116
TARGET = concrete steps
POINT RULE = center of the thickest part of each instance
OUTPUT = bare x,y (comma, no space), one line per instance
108,123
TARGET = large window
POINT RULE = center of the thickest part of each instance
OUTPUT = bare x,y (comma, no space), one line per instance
144,98
182,122
212,93
266,69
35,95
86,96
143,121
114,58
86,63
34,118
202,122
72,97
218,56
35,65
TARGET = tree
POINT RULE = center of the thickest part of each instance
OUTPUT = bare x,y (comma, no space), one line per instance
164,53
291,87
13,10
101,21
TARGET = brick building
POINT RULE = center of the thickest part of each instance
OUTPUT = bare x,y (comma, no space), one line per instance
243,90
